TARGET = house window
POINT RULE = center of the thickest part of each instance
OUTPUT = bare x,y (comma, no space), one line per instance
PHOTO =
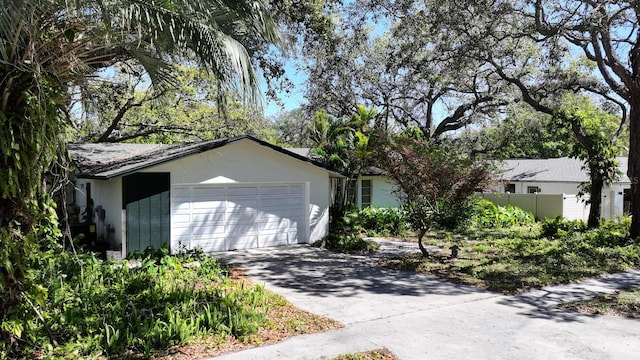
510,188
365,193
533,189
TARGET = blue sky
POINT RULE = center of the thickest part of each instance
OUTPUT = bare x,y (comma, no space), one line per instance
291,100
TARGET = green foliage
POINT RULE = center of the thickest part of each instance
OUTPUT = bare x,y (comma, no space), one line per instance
486,214
350,243
524,133
22,239
345,228
434,183
377,221
455,217
559,227
517,259
611,233
48,51
593,130
91,307
344,143
127,110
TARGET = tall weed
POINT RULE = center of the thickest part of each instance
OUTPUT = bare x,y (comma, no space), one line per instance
91,307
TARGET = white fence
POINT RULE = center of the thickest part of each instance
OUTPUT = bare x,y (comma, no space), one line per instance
543,206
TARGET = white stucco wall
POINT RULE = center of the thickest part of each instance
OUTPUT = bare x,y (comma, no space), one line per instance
382,192
612,197
246,161
547,187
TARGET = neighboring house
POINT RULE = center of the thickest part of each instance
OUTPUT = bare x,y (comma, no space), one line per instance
563,176
372,188
216,195
546,187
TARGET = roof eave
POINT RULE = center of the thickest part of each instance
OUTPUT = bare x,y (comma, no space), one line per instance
197,149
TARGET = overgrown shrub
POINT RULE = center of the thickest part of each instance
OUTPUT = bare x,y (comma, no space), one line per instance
350,243
560,227
382,221
455,217
611,233
88,306
486,214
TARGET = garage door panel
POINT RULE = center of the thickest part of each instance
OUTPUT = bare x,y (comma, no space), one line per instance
292,237
207,192
268,217
242,242
206,236
242,216
181,218
216,218
275,225
242,229
242,191
198,229
181,238
274,190
295,199
227,217
274,200
180,193
204,204
274,239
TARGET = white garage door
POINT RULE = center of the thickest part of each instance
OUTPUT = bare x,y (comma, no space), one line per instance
228,217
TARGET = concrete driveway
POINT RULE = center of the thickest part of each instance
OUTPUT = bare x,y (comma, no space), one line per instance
418,316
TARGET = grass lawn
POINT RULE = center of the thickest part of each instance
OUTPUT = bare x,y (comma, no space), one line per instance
517,259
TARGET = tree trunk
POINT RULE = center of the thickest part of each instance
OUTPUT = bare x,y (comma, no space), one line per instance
423,250
634,166
595,200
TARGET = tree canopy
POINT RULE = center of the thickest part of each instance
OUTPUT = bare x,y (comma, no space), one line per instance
126,108
546,49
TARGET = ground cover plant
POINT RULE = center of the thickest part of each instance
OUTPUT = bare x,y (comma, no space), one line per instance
381,354
515,259
382,221
486,214
87,307
621,303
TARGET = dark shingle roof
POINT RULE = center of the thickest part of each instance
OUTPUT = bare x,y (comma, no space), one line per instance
108,160
369,171
556,170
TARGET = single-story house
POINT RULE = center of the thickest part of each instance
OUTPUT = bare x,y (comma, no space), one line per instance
372,188
563,176
216,195
546,187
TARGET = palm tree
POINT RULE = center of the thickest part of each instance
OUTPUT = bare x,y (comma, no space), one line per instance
48,47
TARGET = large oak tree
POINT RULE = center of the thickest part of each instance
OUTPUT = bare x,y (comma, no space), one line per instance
546,50
399,69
